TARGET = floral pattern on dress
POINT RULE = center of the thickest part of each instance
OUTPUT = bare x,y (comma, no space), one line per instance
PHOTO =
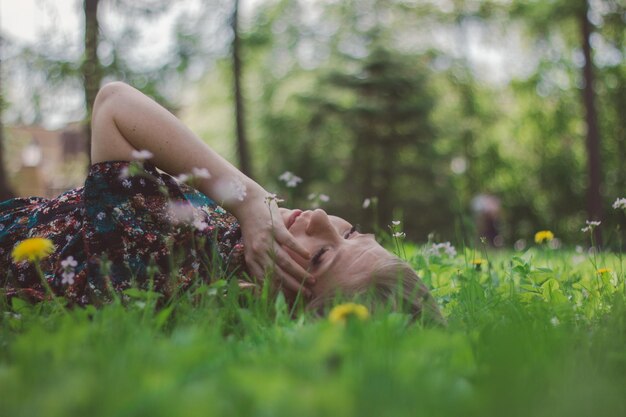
116,232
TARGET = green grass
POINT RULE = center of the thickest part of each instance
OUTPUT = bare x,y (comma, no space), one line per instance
533,334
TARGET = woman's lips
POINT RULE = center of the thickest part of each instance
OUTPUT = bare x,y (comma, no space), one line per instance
292,218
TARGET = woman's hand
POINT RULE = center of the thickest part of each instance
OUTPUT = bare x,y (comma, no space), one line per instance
264,235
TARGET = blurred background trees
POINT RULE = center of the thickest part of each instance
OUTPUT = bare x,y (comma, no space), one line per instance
396,109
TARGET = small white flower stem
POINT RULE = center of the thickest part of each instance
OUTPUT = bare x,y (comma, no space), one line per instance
621,263
483,242
395,234
594,262
272,251
48,289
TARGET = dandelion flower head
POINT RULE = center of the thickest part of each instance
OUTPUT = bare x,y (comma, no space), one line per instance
343,312
33,249
543,236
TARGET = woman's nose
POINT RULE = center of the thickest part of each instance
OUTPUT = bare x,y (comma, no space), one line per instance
318,223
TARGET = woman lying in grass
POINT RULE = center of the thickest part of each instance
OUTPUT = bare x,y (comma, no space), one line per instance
132,224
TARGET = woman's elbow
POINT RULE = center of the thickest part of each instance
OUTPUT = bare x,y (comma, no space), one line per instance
108,93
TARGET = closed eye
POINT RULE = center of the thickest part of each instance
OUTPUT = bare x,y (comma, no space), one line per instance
352,230
317,258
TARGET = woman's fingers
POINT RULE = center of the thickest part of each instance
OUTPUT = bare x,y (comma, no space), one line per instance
255,269
291,283
283,267
291,267
286,239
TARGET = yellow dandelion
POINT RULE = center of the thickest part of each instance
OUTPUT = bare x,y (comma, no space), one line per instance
543,236
33,249
602,271
342,312
478,262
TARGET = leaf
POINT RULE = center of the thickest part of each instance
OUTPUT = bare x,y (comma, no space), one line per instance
529,288
141,294
162,316
20,305
539,277
281,307
521,269
220,283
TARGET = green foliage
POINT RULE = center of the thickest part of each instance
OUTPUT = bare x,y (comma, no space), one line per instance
528,334
333,121
363,99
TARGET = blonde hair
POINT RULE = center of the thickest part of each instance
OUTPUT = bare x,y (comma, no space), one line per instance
392,282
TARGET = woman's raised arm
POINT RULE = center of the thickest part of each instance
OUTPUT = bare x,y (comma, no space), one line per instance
125,120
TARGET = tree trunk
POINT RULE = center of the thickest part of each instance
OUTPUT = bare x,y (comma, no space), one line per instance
242,141
594,201
91,68
5,190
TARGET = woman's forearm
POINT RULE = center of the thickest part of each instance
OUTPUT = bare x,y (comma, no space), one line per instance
144,124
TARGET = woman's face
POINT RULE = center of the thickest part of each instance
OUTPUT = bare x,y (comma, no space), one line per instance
341,257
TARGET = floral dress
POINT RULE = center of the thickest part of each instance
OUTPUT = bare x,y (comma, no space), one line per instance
119,231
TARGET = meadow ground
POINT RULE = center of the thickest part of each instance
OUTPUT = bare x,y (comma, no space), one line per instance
534,333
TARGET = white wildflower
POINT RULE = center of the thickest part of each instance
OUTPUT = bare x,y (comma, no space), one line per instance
294,182
182,177
395,222
273,197
555,243
318,197
68,278
555,321
124,173
69,262
239,189
366,203
590,226
436,249
200,172
620,203
142,155
290,179
520,244
180,212
200,224
399,234
230,190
